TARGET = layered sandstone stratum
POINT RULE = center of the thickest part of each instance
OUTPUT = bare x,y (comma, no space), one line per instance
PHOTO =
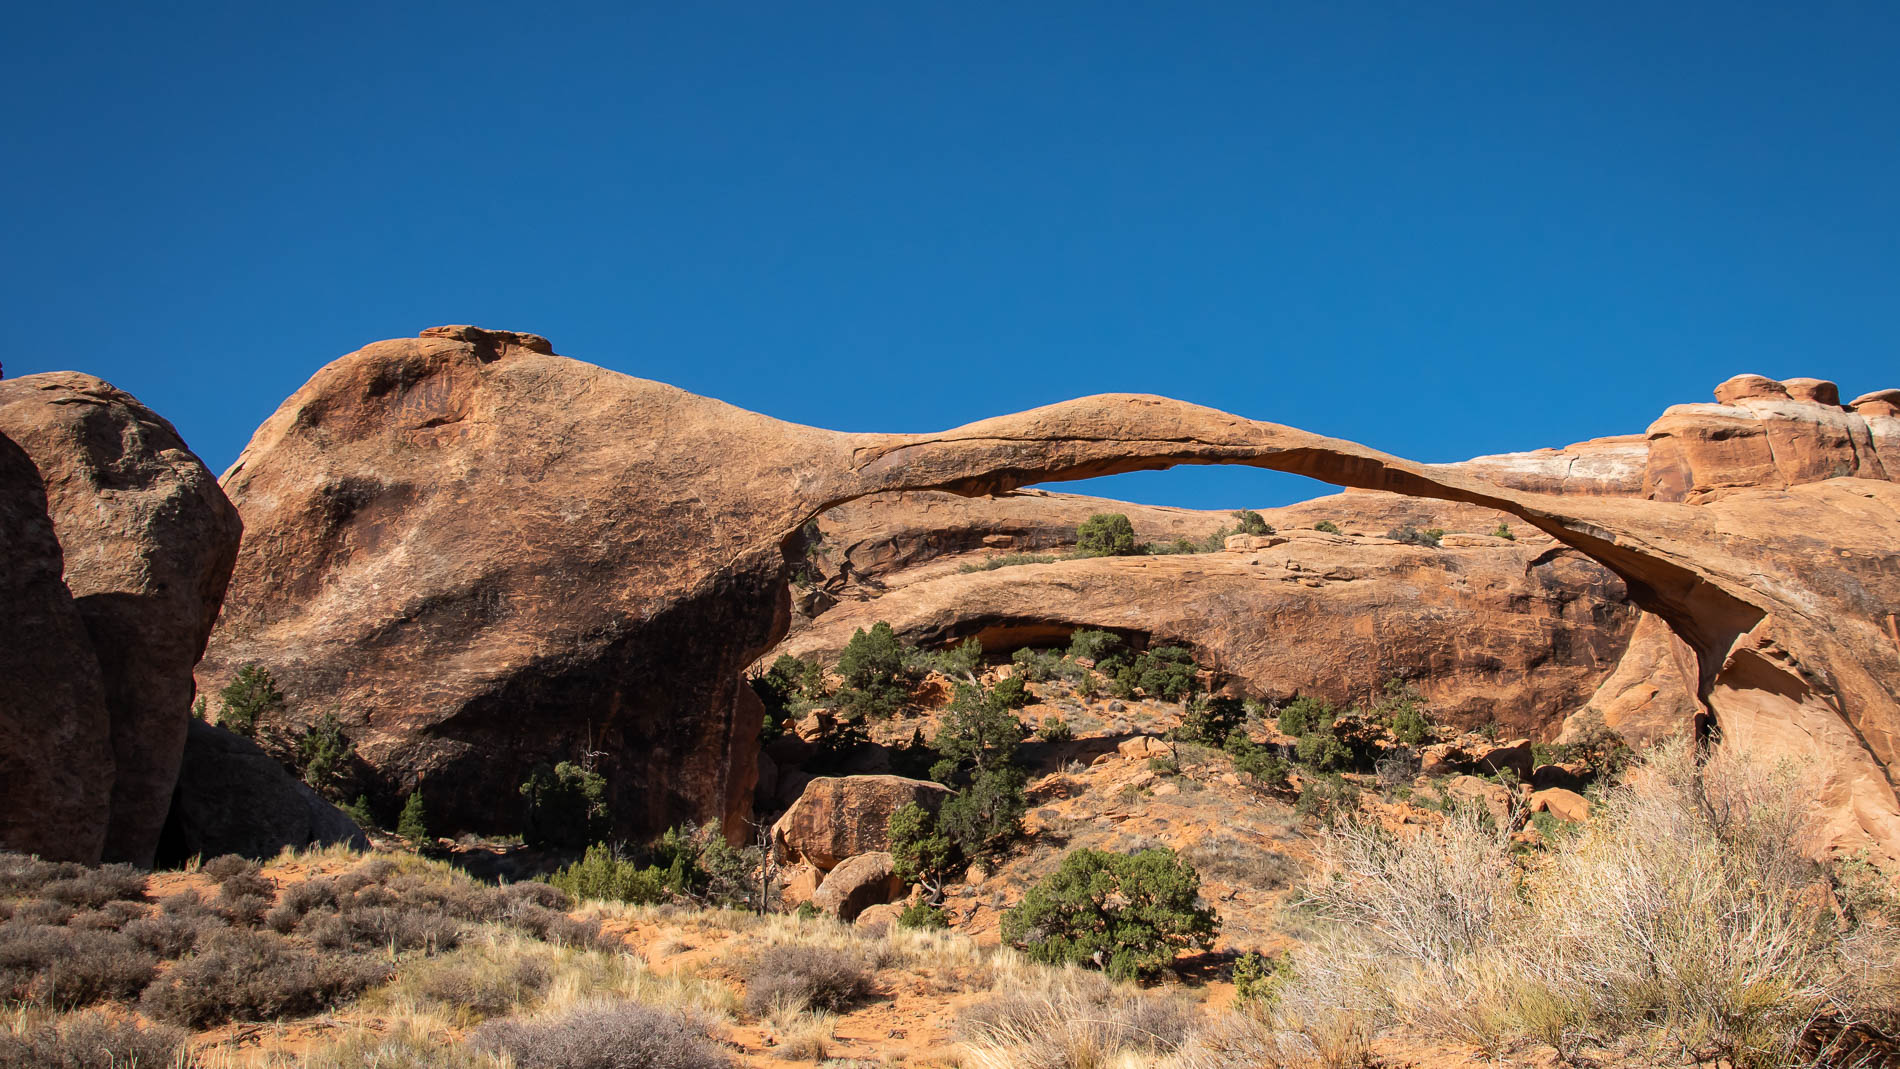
480,556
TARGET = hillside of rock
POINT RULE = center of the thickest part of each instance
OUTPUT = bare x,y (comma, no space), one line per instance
481,555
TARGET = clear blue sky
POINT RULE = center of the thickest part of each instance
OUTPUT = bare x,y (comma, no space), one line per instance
1441,229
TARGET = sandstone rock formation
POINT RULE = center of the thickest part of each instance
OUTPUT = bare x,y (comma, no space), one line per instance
1521,632
55,747
841,816
480,555
233,798
148,542
858,883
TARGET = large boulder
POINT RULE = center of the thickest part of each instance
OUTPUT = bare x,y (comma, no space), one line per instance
56,760
233,798
148,541
841,816
858,883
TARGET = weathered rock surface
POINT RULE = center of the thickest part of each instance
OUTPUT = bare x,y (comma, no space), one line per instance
1565,805
149,541
481,555
858,883
1522,632
841,816
55,745
233,798
1651,695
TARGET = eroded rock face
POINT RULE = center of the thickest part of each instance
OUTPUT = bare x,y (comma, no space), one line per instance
56,760
479,555
842,816
148,542
1521,632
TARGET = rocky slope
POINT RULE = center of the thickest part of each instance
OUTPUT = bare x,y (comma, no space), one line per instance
481,555
1517,632
147,542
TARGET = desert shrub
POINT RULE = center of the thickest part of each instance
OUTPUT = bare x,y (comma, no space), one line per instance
39,911
617,1035
111,917
1037,666
805,975
92,888
1239,863
921,914
91,1040
1327,526
1504,531
409,1046
567,806
1258,978
603,875
920,852
476,989
1128,914
1412,536
413,824
1322,751
243,911
1209,721
22,874
250,694
987,814
1327,798
1402,709
227,867
255,976
1249,522
962,660
1165,672
1304,714
326,752
170,935
1105,534
553,926
64,969
789,682
1085,643
534,893
1055,729
1070,1022
240,878
701,866
394,928
872,666
979,730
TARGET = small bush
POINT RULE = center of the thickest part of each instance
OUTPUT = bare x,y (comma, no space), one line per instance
92,888
251,694
803,975
1078,1025
1127,914
567,807
1105,534
1037,666
170,935
1056,729
40,911
1504,532
553,926
476,990
920,853
1209,721
413,825
1093,645
622,1035
1327,526
1412,536
1008,560
603,875
987,814
1304,714
326,752
22,874
227,867
91,1040
384,928
65,969
921,914
255,976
